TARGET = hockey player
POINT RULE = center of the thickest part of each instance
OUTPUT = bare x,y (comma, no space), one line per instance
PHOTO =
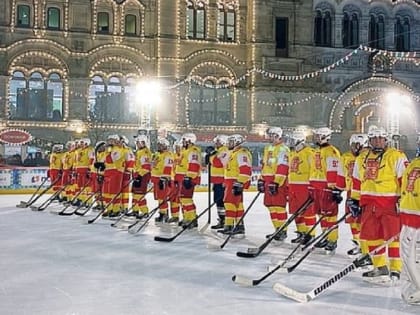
188,175
128,170
56,166
115,160
162,171
84,155
376,189
217,157
141,176
237,178
357,142
298,182
410,232
97,172
273,182
322,179
68,177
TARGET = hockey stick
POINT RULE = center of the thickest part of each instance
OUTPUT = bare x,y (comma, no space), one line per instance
25,203
31,202
76,212
63,211
255,251
249,282
311,246
114,224
221,246
47,202
208,198
184,228
304,297
93,220
132,229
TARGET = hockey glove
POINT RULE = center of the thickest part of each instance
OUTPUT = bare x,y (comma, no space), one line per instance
187,182
137,181
260,186
336,196
210,151
100,166
354,207
273,188
237,189
163,182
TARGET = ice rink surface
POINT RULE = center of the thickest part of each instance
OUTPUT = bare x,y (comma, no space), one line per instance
51,264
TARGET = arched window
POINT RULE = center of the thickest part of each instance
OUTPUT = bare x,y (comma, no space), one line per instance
36,98
130,24
402,34
196,20
109,101
350,30
103,23
23,16
53,18
377,31
323,28
227,23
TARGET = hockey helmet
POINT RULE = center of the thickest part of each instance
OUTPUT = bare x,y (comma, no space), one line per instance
377,132
99,145
296,138
163,142
322,135
124,139
58,147
189,137
275,131
235,140
220,139
360,138
85,141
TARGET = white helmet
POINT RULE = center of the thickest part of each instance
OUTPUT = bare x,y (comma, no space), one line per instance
297,137
192,138
322,135
141,138
163,142
377,132
275,131
57,147
124,139
359,138
86,141
222,139
70,144
113,137
99,145
235,140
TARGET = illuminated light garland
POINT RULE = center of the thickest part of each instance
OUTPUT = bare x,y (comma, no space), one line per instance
398,2
36,14
66,18
35,53
336,117
213,50
13,22
177,63
119,60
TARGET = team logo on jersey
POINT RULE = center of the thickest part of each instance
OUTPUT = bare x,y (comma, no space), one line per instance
318,161
372,169
350,168
411,180
294,165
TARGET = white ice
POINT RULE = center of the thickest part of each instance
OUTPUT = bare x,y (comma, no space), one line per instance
51,264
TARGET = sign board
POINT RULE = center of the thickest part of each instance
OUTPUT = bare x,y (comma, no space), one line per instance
15,136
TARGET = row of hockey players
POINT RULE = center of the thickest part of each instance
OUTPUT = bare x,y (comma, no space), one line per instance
373,174
382,201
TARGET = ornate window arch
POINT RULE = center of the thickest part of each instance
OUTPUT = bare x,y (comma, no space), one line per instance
377,36
350,29
402,32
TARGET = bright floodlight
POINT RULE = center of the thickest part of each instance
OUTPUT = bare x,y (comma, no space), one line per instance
149,92
397,102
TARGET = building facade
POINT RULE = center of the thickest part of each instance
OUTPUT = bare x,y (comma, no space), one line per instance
223,66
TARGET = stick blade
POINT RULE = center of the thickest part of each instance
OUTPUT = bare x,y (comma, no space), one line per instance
22,204
214,246
291,293
163,239
246,254
242,281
